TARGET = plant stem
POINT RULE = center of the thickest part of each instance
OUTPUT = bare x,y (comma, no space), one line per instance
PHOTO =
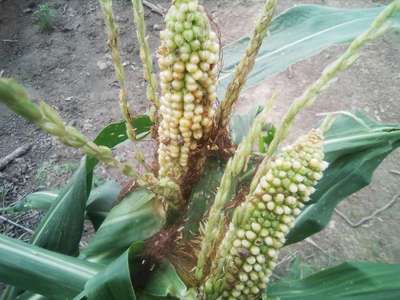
112,32
145,54
378,27
234,167
246,64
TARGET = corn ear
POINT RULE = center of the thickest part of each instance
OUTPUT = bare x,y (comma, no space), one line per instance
249,252
233,169
187,57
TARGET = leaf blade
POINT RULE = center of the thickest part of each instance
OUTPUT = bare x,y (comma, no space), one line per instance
166,282
296,34
135,218
28,267
351,280
62,227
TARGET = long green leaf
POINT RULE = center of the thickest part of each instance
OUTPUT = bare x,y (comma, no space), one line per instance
45,272
62,227
136,218
30,296
101,200
354,147
117,280
240,124
41,200
166,282
201,198
50,235
143,296
349,281
114,282
297,34
115,133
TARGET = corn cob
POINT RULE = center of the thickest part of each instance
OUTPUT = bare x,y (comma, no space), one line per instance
187,57
249,251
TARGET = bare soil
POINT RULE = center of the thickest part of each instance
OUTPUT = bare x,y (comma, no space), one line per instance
71,69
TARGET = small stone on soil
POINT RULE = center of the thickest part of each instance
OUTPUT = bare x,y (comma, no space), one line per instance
102,65
157,27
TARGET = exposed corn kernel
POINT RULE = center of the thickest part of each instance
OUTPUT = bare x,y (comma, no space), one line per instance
187,57
262,232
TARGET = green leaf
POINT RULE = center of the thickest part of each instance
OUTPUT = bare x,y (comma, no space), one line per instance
143,296
10,293
41,200
298,270
114,282
354,147
348,281
295,35
30,296
101,200
241,124
62,227
268,134
165,282
45,272
110,136
201,198
136,218
115,133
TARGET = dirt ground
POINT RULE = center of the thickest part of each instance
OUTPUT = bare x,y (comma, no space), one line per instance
71,69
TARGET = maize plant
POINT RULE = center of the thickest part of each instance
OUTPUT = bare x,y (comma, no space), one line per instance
210,220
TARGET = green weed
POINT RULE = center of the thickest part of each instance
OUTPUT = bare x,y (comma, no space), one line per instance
44,17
